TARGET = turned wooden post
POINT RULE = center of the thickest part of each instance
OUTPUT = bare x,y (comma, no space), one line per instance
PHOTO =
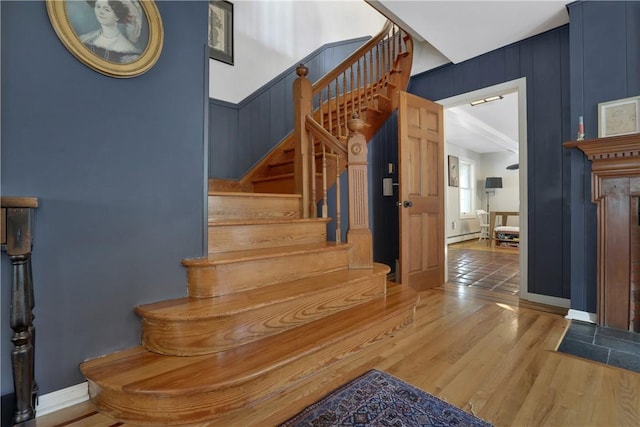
17,219
303,106
358,234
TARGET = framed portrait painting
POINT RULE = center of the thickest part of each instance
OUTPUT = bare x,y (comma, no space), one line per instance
221,31
118,38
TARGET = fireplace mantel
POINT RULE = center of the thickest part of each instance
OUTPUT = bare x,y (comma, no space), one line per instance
615,179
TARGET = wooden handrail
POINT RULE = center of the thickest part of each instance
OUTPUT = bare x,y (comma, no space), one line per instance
325,137
364,83
351,59
329,112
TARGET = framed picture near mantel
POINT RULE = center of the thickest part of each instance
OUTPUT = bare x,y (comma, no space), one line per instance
619,117
221,31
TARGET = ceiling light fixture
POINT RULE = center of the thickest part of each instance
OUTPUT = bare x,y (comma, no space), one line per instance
485,100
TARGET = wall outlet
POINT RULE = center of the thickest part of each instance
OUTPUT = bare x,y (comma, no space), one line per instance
453,225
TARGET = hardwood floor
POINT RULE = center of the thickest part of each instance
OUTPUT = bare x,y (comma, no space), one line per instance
477,350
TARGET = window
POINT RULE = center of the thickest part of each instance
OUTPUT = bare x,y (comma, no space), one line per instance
466,189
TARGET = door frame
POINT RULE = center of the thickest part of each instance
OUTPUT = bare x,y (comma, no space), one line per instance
519,86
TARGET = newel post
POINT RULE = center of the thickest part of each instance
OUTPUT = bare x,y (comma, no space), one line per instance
302,106
358,234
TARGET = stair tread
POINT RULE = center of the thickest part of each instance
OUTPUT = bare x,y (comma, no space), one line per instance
139,371
203,308
247,194
262,253
258,221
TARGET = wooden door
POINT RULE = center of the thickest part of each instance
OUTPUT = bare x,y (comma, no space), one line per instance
421,202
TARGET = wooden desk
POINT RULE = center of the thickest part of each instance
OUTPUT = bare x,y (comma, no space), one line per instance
503,214
16,234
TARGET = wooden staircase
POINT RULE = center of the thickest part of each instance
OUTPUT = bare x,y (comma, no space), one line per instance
274,303
365,83
266,310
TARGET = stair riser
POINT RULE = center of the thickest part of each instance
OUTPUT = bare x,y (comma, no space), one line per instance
176,409
229,238
285,168
188,338
282,168
284,186
225,279
226,207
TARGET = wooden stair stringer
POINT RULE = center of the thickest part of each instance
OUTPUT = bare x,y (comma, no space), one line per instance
144,388
194,326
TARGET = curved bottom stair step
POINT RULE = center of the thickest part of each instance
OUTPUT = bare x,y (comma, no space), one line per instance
145,388
193,326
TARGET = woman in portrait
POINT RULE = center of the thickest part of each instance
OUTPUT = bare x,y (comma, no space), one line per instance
109,42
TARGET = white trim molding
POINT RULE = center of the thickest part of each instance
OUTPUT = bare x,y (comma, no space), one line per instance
583,316
54,401
546,299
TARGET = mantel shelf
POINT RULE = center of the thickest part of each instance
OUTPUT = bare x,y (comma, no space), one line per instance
19,202
623,146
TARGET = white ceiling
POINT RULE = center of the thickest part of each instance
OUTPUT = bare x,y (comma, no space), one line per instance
484,128
454,31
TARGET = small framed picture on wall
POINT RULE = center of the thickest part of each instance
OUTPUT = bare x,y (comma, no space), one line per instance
221,31
453,172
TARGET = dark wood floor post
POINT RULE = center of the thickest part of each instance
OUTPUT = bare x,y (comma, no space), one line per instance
17,220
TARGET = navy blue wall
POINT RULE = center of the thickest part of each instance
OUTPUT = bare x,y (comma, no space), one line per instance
605,65
235,147
383,212
544,61
119,168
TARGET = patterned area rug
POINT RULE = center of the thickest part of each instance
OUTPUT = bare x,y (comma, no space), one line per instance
379,399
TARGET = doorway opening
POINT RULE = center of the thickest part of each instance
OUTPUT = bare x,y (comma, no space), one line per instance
489,140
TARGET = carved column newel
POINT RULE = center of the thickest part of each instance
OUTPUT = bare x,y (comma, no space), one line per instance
303,106
17,233
358,234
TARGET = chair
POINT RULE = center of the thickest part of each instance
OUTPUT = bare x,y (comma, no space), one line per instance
483,219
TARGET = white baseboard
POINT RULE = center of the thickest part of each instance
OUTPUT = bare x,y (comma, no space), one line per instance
63,398
462,238
546,299
583,316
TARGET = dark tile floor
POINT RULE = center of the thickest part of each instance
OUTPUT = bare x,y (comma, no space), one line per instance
614,347
491,270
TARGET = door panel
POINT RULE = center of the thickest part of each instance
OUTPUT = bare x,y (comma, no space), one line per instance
421,154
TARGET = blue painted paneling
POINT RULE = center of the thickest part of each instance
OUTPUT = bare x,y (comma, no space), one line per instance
604,66
223,120
265,117
383,209
118,167
633,53
545,154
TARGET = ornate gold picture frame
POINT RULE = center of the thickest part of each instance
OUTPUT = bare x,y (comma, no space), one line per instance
118,38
